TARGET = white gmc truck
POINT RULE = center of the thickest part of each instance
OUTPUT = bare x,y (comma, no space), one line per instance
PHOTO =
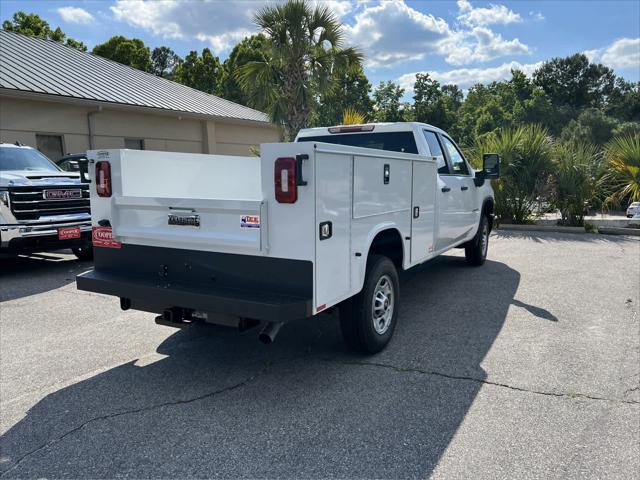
42,208
322,222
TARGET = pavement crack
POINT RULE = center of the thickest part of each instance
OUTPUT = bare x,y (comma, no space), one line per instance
571,395
629,390
132,411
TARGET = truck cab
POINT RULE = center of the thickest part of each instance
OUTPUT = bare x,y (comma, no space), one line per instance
325,221
42,208
459,193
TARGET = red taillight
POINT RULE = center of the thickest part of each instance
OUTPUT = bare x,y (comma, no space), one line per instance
285,180
103,179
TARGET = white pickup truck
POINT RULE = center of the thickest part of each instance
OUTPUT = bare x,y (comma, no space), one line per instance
42,208
325,221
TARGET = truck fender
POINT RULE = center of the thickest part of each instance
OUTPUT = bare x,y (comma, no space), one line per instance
487,209
371,236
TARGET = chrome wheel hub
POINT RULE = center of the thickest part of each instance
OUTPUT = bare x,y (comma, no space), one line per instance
382,305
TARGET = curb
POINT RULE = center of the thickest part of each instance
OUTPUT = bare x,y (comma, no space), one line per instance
543,228
620,231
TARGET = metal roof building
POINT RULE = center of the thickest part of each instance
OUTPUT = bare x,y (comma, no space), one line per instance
63,100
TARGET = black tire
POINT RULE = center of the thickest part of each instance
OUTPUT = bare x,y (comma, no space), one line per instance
357,314
83,253
476,251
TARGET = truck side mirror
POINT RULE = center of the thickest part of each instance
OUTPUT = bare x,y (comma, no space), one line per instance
491,165
490,168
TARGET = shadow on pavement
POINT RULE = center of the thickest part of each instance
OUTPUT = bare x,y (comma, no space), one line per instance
551,237
537,311
22,276
213,403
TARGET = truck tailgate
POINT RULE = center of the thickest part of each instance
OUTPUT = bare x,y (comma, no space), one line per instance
188,201
214,225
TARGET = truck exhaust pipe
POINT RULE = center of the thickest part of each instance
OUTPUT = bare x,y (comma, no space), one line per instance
269,332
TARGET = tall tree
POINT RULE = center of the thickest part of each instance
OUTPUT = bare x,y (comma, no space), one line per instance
436,104
305,47
591,126
164,61
31,24
624,101
350,92
388,106
250,49
575,82
202,72
128,51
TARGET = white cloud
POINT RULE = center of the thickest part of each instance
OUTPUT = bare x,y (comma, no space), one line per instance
468,77
75,15
494,15
392,32
388,31
538,16
219,25
485,45
339,7
622,53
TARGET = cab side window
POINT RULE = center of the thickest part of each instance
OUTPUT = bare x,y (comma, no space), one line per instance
458,164
436,151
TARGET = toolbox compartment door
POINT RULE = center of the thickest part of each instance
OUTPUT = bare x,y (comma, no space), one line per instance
423,196
333,229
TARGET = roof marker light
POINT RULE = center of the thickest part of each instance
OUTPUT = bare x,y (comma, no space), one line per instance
352,129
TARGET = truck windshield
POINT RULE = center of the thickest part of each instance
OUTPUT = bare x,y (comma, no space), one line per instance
391,141
15,158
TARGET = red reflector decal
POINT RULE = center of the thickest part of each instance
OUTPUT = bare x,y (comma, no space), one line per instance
103,237
321,307
68,233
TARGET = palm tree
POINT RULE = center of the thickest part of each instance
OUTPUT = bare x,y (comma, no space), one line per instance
576,173
305,47
623,161
526,163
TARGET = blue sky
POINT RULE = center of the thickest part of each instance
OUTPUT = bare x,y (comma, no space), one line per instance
463,42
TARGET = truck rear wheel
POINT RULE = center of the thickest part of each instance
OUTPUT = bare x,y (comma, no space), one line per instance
368,320
476,251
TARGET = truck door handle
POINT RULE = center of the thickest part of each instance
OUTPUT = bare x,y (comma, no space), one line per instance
464,188
299,159
416,212
446,189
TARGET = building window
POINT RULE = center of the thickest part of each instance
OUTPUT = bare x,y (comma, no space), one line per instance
134,143
50,145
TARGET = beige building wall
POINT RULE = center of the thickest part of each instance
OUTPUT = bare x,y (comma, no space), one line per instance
21,119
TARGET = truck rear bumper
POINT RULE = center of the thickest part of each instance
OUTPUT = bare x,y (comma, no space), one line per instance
165,295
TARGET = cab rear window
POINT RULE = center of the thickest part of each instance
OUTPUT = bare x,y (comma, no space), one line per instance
391,141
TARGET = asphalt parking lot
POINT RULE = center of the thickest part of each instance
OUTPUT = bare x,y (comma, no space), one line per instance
527,367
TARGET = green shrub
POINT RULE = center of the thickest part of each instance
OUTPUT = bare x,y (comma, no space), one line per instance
622,180
577,168
525,168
